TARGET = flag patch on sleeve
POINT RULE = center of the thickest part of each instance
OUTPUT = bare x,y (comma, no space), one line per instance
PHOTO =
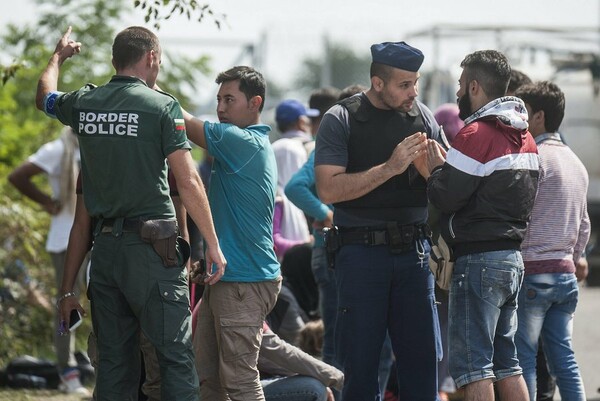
179,124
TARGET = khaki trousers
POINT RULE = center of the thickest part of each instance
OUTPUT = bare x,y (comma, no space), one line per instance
228,336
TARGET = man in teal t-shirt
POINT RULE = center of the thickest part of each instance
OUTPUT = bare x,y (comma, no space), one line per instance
126,132
242,197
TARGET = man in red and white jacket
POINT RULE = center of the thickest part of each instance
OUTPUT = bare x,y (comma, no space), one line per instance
485,189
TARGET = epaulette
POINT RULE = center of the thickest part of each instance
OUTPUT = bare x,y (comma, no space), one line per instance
90,85
167,94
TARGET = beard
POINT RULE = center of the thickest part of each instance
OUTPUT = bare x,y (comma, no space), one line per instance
464,106
403,107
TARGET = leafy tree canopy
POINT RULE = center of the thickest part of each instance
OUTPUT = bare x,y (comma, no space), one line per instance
23,129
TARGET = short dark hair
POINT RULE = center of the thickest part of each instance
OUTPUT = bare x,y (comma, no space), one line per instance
131,44
382,71
545,96
284,127
351,90
490,69
323,98
517,79
252,83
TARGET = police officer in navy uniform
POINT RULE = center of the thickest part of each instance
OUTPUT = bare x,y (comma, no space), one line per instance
369,152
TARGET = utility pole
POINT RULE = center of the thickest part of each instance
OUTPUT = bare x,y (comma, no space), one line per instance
326,66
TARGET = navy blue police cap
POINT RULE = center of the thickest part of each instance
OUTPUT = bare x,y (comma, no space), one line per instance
398,55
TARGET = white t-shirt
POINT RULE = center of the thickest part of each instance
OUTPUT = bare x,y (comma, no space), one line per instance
48,158
290,155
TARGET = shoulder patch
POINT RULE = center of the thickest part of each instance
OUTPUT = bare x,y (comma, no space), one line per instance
179,124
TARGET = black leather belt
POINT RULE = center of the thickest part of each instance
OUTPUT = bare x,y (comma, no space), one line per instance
378,237
394,234
129,225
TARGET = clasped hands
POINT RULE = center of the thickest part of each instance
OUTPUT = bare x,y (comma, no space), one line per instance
425,154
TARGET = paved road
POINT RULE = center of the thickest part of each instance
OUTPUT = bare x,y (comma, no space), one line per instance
586,340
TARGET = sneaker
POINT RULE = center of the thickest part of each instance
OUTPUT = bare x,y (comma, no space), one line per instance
70,383
87,374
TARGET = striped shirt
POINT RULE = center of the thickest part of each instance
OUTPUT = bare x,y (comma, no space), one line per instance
560,226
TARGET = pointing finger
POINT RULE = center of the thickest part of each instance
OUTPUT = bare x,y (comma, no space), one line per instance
68,33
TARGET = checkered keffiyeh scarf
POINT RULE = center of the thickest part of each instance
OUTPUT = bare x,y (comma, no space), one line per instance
509,110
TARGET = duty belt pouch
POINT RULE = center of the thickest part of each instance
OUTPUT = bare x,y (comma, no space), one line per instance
401,238
333,243
162,235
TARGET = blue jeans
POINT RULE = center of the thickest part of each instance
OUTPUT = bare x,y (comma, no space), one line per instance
445,381
547,303
294,388
325,279
483,316
382,292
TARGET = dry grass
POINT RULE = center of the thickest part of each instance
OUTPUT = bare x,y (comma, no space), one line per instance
38,395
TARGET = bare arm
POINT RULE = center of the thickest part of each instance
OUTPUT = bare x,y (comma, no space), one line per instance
335,185
581,269
80,240
48,81
194,128
193,196
21,179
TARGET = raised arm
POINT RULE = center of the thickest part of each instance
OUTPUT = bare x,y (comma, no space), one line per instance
48,81
194,128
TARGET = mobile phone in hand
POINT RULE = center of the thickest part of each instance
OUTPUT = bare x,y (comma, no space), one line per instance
74,319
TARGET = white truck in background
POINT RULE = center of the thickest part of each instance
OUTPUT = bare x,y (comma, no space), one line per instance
581,130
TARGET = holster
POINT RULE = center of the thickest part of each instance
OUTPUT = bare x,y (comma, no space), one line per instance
333,243
162,235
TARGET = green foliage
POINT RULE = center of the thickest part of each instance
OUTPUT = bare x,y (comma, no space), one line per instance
179,76
26,322
24,313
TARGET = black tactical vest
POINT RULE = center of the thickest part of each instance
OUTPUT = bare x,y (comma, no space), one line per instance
374,133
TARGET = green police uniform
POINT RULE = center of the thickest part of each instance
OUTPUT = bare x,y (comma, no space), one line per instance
125,132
